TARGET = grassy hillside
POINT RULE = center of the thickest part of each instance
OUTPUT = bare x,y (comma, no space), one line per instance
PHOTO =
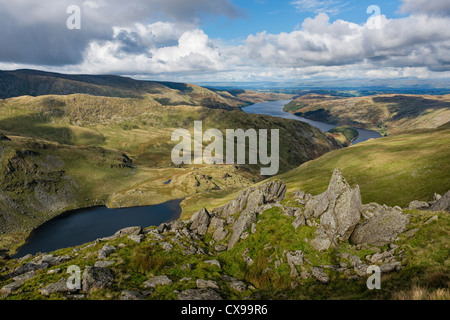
386,113
83,127
344,134
393,170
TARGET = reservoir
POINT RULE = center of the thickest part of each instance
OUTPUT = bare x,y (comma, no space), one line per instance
275,109
77,227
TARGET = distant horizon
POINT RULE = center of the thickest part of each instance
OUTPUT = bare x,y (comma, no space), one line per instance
326,84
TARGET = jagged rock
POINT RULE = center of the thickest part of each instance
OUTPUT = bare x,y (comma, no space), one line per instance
252,198
432,219
51,260
131,295
248,261
138,238
374,209
129,231
252,202
245,220
389,267
294,258
204,284
199,294
238,286
361,269
214,263
97,278
25,276
320,275
163,227
380,230
220,248
57,287
157,281
220,234
166,246
418,205
338,208
299,221
10,288
200,221
28,267
106,251
321,242
443,204
411,233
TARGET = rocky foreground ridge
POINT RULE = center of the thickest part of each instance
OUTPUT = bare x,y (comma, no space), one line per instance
199,249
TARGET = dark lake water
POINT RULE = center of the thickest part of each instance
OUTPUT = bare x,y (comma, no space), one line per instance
85,225
275,109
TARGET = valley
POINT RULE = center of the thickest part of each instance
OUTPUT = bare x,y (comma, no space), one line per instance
310,232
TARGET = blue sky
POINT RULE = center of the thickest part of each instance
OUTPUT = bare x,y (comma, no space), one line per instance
284,16
230,40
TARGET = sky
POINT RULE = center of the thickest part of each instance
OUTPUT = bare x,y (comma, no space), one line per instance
229,40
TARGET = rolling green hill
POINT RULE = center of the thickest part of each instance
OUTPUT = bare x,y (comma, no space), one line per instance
386,113
392,170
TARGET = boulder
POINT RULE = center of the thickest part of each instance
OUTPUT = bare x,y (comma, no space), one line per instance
299,221
138,238
204,284
380,230
294,258
157,281
320,276
129,231
443,204
199,294
106,251
97,278
213,263
238,286
131,295
57,287
418,205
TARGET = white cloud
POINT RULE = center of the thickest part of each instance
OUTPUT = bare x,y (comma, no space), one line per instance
192,51
428,7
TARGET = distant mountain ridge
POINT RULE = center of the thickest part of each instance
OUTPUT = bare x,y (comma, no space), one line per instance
37,83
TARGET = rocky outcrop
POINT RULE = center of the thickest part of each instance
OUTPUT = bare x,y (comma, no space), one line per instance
339,209
97,278
418,205
443,204
199,294
251,202
200,221
380,230
157,281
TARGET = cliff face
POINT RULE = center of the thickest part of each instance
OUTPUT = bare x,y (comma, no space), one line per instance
34,183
